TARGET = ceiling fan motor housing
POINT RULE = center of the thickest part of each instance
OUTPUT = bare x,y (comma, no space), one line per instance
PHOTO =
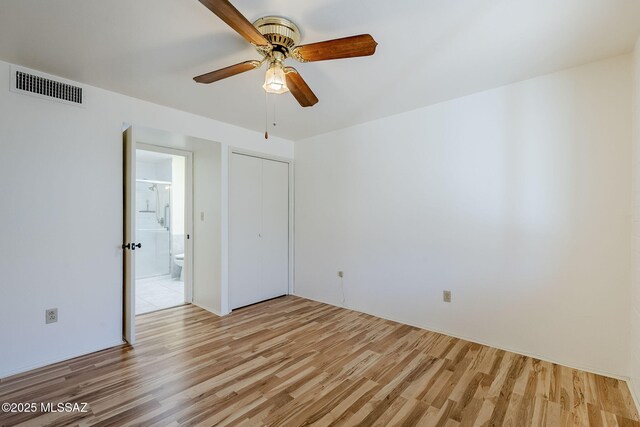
283,34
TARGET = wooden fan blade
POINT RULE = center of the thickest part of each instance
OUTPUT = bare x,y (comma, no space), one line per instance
299,88
230,15
223,73
348,47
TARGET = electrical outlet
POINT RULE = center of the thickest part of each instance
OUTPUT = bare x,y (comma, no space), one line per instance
446,296
51,315
340,273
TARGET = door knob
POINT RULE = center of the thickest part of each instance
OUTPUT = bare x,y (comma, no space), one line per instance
132,246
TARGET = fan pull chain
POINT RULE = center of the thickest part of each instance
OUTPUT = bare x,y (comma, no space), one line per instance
274,111
266,115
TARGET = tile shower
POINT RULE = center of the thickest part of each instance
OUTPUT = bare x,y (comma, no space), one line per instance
153,228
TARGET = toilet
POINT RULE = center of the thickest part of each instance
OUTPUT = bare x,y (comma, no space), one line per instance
179,260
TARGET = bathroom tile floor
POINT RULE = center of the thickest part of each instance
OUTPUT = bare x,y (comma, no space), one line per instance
156,293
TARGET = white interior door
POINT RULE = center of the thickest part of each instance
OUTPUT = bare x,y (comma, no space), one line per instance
258,230
129,237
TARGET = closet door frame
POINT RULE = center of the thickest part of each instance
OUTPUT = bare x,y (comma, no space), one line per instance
290,162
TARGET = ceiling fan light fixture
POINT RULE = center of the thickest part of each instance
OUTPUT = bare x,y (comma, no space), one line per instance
277,39
275,81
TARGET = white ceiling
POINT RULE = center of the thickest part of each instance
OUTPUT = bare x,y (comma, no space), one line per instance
429,51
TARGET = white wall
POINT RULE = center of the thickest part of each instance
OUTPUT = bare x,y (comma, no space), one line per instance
178,183
178,171
635,254
61,216
207,227
154,171
516,199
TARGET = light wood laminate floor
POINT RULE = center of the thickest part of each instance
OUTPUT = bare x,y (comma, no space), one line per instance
295,362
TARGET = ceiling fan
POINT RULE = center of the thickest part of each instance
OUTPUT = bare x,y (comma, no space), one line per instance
277,39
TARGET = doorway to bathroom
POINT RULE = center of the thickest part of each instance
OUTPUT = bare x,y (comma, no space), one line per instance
162,212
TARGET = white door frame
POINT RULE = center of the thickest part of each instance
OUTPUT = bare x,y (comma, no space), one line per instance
290,163
129,292
188,211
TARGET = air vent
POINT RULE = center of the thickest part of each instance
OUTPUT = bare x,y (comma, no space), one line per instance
46,87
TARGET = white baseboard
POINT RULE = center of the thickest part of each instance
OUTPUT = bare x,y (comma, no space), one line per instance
488,344
632,390
21,370
209,309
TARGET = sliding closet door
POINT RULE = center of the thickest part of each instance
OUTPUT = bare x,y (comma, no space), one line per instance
275,228
245,200
258,230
